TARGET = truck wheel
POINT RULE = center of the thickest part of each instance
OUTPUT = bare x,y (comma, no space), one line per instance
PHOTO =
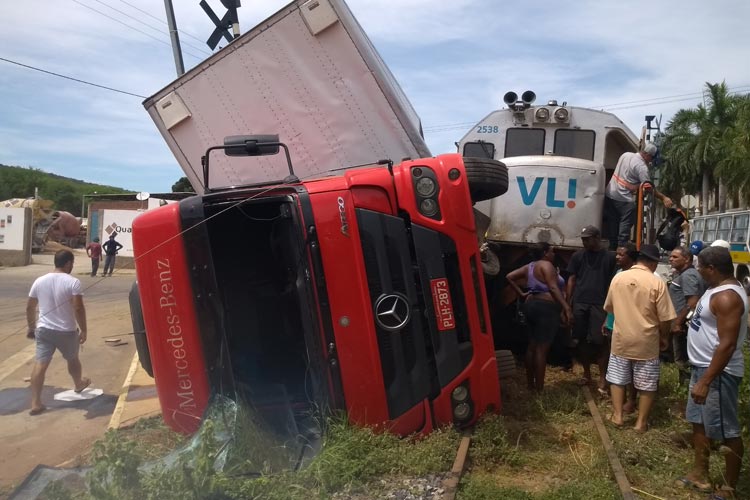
139,329
487,178
506,364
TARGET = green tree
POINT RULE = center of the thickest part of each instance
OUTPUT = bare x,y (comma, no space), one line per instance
182,186
734,168
67,194
695,144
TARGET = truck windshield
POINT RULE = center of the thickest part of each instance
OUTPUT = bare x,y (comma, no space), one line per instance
258,252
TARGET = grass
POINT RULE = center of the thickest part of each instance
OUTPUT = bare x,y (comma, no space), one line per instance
353,461
544,447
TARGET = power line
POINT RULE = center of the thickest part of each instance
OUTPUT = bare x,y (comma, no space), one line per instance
133,28
692,94
182,32
158,30
71,78
609,107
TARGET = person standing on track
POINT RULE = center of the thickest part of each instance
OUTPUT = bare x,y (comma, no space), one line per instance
591,270
643,316
59,297
544,306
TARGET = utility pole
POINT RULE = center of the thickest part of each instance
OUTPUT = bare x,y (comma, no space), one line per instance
175,37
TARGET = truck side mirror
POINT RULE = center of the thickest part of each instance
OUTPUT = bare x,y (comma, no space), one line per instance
251,145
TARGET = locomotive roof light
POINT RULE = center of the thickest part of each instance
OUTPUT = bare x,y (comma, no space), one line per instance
542,114
562,115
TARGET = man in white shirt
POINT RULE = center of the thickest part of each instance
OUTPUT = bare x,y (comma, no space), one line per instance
619,197
716,334
59,297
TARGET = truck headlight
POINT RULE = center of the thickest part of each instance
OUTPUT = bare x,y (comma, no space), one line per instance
462,411
426,186
428,207
460,394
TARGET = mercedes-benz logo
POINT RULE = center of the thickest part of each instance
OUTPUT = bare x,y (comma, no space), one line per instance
392,311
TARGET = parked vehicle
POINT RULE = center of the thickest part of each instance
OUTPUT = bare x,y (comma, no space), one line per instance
731,226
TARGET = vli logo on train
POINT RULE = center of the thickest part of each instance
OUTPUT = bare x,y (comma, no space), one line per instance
529,195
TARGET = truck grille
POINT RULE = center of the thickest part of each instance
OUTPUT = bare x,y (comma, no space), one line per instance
417,360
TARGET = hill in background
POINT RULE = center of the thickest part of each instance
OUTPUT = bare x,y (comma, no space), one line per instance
67,193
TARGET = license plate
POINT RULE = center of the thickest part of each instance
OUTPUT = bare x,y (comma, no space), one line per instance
441,299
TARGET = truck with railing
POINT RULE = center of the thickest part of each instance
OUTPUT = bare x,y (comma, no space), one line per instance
330,265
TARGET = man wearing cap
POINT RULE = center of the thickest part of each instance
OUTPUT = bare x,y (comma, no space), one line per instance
722,244
695,248
591,269
619,198
644,314
685,290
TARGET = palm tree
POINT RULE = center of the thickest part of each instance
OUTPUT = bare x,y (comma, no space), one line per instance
696,143
734,168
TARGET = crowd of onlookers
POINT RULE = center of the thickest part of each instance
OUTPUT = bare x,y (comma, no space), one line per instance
615,311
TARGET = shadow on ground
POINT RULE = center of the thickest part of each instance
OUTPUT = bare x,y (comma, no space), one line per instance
14,400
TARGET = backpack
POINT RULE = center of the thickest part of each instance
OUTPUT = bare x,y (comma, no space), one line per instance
668,234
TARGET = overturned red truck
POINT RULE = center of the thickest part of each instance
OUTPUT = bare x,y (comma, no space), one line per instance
361,292
356,286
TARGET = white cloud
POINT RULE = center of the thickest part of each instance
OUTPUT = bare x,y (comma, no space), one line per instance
455,60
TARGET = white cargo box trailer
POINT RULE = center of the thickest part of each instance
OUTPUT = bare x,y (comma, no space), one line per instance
309,74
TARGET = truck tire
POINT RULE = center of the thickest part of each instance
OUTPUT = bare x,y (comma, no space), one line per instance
506,364
487,178
139,329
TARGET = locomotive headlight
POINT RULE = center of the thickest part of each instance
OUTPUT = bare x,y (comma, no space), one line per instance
561,114
542,114
426,187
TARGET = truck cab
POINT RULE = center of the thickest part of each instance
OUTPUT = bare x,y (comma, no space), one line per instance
359,291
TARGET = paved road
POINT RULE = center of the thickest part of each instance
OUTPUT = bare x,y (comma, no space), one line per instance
68,429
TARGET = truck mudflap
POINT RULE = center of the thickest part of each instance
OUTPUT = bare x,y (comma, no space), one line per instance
169,315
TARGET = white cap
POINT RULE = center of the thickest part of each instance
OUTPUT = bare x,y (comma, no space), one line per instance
650,148
721,243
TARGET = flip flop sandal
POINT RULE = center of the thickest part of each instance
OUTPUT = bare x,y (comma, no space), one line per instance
690,484
612,423
86,382
725,493
37,411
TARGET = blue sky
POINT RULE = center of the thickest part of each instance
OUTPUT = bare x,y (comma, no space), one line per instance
454,60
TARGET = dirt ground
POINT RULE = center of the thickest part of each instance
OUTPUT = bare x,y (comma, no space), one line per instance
67,430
